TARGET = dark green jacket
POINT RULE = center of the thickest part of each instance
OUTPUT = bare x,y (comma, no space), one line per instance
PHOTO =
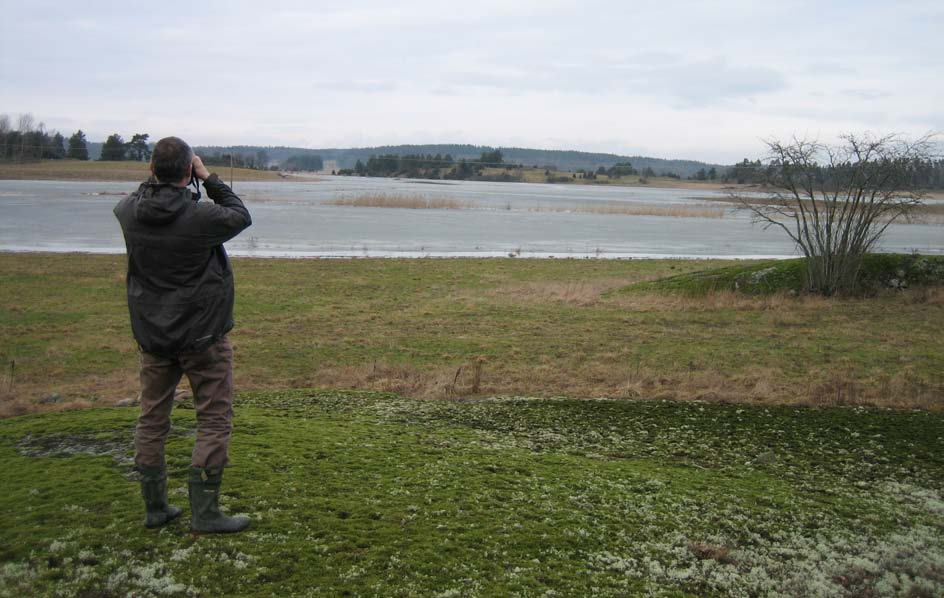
180,284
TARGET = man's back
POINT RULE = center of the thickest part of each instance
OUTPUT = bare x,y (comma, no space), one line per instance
180,284
180,297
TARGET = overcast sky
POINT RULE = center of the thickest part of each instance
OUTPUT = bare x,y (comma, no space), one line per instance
706,80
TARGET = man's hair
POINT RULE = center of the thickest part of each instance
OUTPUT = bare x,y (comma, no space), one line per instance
170,160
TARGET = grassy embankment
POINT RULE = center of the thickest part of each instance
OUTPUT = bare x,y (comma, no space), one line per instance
94,170
365,494
460,328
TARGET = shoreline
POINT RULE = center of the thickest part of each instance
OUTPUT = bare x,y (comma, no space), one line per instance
125,171
431,255
94,171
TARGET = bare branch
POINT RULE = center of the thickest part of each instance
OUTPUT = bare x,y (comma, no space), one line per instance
836,201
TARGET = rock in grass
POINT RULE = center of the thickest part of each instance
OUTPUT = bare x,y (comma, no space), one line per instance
765,458
51,399
180,396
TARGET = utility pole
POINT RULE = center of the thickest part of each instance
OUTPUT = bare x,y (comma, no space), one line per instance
231,170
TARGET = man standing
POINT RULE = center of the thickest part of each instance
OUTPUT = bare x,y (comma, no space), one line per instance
180,297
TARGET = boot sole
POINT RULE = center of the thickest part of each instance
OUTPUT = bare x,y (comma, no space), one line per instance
217,531
163,523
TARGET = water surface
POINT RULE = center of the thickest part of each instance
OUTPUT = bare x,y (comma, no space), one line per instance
526,220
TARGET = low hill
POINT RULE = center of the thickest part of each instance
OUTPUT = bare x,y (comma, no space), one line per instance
879,271
558,159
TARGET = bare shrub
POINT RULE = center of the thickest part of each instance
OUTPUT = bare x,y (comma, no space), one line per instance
835,202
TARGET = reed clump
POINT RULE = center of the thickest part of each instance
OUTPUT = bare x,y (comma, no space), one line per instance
404,201
671,211
420,202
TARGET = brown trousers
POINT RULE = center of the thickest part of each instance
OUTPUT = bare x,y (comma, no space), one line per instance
211,378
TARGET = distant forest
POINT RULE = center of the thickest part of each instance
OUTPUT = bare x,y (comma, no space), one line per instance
464,161
27,140
573,161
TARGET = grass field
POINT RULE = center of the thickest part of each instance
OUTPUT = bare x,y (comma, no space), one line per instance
93,170
730,472
471,328
354,494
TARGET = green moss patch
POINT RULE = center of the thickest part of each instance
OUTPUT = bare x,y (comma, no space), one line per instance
374,494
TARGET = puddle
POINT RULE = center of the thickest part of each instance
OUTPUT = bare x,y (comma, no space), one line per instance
120,446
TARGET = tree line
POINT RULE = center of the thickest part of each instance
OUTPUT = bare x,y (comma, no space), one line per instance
28,140
253,161
433,166
304,162
925,172
117,149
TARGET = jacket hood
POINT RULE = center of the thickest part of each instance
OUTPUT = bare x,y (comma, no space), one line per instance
159,203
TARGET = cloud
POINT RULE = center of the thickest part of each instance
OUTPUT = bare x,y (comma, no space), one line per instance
827,67
356,85
676,80
706,78
866,94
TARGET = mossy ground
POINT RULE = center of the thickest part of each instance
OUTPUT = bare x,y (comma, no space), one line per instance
373,494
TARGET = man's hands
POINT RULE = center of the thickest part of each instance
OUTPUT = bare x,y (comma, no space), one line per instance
199,170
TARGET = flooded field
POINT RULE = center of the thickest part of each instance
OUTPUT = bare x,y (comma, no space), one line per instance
328,218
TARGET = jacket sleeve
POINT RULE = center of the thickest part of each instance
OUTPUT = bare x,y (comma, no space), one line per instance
226,217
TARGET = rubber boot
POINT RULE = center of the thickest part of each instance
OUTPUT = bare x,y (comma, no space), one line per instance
154,491
205,504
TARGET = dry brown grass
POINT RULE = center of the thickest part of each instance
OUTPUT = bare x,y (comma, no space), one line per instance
536,175
11,406
615,376
921,214
785,305
584,293
430,383
673,211
410,202
419,202
926,214
94,170
472,328
924,295
570,292
623,377
96,390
